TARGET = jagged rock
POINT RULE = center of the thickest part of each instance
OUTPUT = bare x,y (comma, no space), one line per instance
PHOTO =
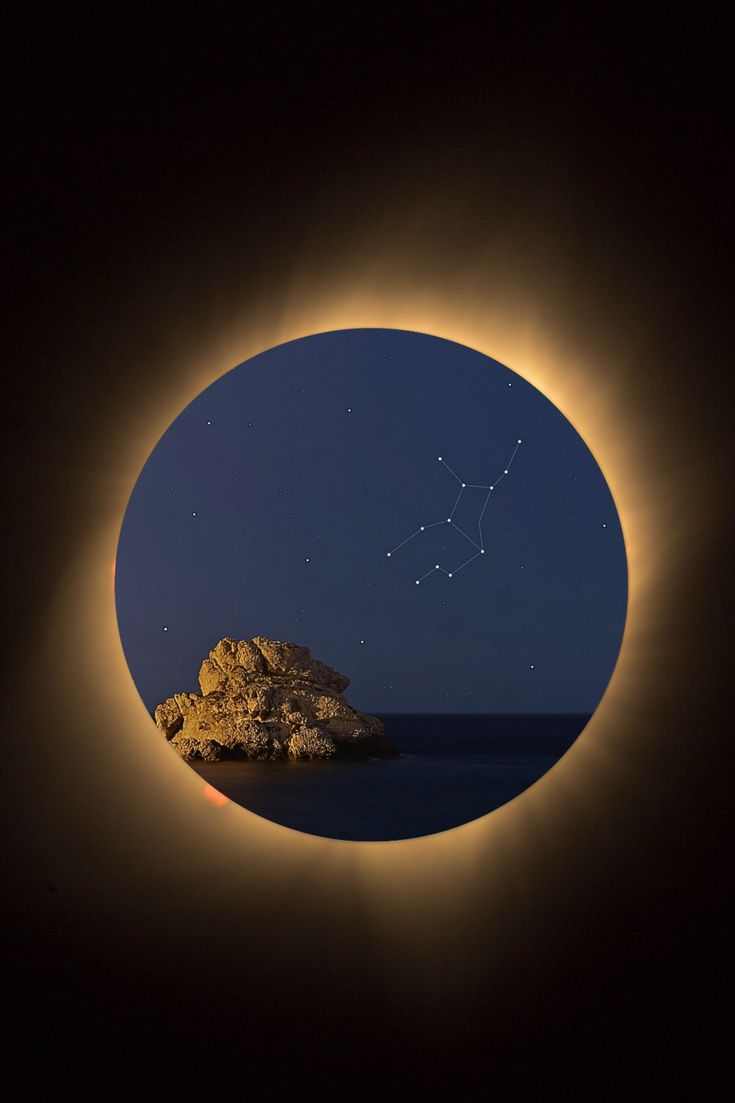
288,659
265,699
311,743
168,717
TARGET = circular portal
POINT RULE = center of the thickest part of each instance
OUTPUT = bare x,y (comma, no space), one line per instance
371,584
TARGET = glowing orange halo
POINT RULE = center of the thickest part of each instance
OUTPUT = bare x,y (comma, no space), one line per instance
399,880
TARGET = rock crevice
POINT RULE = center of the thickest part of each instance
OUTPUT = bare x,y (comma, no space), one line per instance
266,699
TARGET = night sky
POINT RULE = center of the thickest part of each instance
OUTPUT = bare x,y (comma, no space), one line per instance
269,506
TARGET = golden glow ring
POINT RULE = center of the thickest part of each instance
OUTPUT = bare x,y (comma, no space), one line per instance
150,807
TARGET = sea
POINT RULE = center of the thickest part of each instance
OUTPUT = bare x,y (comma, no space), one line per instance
451,770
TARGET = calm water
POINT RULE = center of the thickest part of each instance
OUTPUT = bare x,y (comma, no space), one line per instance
452,769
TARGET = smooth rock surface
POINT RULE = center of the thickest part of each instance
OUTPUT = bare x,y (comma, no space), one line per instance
266,699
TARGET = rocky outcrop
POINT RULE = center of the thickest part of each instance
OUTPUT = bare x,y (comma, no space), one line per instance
265,699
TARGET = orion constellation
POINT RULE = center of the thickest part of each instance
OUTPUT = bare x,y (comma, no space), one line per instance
480,548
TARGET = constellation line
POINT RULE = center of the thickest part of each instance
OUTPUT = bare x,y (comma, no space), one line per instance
450,470
470,560
461,492
490,487
463,533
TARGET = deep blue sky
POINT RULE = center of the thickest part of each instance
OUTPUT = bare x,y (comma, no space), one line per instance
268,506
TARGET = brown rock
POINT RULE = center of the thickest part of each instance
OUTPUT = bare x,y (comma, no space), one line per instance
290,660
168,717
266,699
211,677
311,743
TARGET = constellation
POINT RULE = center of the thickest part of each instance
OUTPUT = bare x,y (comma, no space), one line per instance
490,488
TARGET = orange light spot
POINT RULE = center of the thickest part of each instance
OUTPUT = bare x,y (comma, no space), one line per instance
215,796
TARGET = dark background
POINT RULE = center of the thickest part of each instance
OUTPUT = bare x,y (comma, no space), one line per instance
154,164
